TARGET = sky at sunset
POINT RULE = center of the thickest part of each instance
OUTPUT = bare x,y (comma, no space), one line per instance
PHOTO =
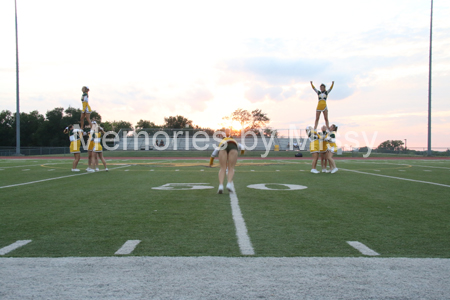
204,59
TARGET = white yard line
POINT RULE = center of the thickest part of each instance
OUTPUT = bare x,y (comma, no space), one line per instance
363,248
409,165
128,247
32,165
399,178
13,246
241,230
49,179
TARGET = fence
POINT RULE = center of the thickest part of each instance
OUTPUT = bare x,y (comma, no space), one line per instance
28,151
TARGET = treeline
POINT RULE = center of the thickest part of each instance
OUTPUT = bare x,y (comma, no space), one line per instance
37,130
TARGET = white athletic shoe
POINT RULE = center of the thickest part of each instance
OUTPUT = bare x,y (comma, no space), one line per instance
97,169
324,171
220,190
314,171
106,169
334,170
75,170
87,170
230,187
91,171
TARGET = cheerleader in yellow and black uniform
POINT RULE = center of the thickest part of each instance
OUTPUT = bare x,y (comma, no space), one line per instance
90,142
97,133
323,147
331,147
75,136
314,147
228,154
322,105
86,111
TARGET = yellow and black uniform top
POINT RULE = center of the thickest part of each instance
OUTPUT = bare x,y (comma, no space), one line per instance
75,136
314,144
331,141
227,144
322,105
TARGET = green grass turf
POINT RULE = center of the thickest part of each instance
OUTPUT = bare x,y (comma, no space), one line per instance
94,214
206,154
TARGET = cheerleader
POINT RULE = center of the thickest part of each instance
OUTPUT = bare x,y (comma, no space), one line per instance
332,147
96,134
314,146
323,147
322,105
90,141
86,111
75,136
228,154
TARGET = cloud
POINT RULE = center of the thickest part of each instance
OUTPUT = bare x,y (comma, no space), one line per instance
257,93
196,98
275,70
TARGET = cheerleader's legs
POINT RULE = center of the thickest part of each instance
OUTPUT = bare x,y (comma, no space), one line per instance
100,155
317,119
223,160
315,159
88,117
76,160
325,115
331,160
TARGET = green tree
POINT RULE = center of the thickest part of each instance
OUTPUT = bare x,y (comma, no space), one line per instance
259,119
107,126
177,122
145,124
7,131
29,123
395,145
117,125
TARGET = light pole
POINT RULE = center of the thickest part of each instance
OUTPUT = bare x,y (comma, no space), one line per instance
17,89
429,81
405,145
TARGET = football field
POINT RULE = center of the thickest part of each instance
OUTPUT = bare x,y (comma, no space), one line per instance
156,228
169,207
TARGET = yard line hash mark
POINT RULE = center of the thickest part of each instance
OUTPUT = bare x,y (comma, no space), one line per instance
363,248
128,247
245,245
399,178
13,246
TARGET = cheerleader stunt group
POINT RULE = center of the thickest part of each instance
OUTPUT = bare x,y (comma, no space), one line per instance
322,142
93,131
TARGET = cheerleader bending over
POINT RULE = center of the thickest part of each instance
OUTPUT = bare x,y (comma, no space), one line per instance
228,154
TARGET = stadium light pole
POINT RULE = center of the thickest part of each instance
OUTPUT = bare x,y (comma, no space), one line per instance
429,81
17,88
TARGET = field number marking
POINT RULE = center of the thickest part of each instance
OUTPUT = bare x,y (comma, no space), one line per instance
290,187
183,186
